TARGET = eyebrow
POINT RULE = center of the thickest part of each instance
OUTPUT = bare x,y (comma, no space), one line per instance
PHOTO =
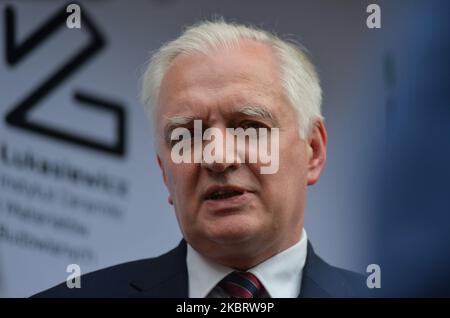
175,122
256,111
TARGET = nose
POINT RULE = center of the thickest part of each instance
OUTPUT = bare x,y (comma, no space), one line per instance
220,167
223,156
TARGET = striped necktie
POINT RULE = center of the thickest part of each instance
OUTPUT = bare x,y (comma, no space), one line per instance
242,285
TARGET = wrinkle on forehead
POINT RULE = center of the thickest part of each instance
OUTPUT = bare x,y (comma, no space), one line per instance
217,64
196,83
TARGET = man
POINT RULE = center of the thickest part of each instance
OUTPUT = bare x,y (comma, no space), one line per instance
243,229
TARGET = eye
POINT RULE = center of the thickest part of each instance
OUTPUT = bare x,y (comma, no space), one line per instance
252,124
185,137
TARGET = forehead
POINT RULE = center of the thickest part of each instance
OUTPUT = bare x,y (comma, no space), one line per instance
222,78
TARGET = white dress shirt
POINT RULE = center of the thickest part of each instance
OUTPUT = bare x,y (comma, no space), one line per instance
280,275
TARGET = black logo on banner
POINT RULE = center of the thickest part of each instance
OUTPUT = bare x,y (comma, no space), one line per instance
15,52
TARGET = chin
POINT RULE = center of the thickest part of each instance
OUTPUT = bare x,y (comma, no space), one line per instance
234,231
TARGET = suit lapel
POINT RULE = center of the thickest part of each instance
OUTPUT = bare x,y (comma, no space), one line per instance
168,279
320,280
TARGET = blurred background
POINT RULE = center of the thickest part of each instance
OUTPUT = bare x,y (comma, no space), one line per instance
79,182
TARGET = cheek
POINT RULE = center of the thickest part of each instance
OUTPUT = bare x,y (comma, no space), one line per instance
287,186
181,182
292,171
293,155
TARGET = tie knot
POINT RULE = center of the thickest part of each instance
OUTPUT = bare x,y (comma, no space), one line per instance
242,285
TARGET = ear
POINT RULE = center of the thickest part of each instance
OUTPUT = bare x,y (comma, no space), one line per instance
169,199
317,151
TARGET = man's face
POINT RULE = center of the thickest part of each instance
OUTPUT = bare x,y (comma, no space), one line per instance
266,214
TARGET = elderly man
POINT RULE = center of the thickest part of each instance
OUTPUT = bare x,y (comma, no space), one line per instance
243,229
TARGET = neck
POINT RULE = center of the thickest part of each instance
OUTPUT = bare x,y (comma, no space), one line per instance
243,256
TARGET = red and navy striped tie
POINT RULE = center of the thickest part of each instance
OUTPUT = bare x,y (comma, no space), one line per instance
242,285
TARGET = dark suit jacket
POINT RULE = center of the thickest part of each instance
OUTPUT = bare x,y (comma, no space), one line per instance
167,276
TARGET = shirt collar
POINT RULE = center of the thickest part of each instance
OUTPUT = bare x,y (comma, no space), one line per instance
280,274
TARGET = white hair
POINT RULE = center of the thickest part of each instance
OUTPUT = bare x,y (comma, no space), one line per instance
298,75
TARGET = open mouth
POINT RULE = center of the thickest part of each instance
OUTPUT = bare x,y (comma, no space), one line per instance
223,194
